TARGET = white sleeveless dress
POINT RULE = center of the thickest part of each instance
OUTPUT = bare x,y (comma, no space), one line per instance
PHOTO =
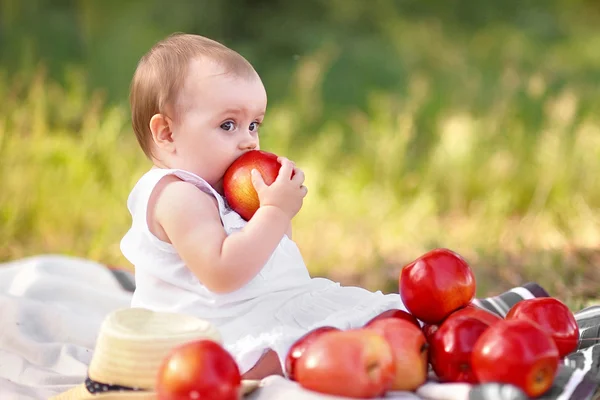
280,304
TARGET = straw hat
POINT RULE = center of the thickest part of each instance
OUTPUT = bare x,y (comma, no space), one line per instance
132,344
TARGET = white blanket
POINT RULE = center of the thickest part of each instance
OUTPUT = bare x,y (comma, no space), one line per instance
51,308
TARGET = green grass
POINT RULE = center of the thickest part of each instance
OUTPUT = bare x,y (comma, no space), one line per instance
504,172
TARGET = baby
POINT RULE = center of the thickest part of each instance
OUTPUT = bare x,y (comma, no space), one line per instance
196,106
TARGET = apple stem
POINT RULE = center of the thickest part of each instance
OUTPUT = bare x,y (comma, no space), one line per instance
372,369
424,347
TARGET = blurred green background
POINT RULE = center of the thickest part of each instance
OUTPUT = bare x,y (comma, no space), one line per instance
471,125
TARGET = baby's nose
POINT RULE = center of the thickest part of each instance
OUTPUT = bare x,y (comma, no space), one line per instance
249,144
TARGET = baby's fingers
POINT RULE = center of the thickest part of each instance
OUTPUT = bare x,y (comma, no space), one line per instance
282,159
285,172
303,190
257,180
298,176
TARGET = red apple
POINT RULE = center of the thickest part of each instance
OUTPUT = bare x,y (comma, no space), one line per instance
409,349
451,348
200,369
395,313
355,363
299,347
516,352
554,317
471,310
436,284
429,330
237,182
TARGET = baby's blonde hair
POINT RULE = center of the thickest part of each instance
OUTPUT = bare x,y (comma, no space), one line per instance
161,72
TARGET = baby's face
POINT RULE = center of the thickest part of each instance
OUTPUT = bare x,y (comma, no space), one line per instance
218,118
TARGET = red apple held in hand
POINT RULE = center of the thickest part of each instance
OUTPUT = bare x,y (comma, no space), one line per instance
356,363
201,369
395,313
471,310
237,182
554,317
451,348
299,348
409,349
517,352
436,284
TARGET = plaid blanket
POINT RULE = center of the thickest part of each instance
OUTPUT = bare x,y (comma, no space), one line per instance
578,377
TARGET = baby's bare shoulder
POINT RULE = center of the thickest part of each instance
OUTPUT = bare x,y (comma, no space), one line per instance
173,192
187,215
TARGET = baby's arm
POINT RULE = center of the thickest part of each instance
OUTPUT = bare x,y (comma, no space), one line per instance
191,221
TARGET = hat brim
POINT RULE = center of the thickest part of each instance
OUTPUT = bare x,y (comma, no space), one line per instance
80,392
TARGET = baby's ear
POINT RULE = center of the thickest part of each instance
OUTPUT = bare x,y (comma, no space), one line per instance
162,136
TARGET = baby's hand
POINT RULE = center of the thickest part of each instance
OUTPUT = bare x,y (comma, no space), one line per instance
286,193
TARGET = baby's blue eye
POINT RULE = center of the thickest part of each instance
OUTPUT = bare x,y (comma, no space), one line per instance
228,126
254,126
